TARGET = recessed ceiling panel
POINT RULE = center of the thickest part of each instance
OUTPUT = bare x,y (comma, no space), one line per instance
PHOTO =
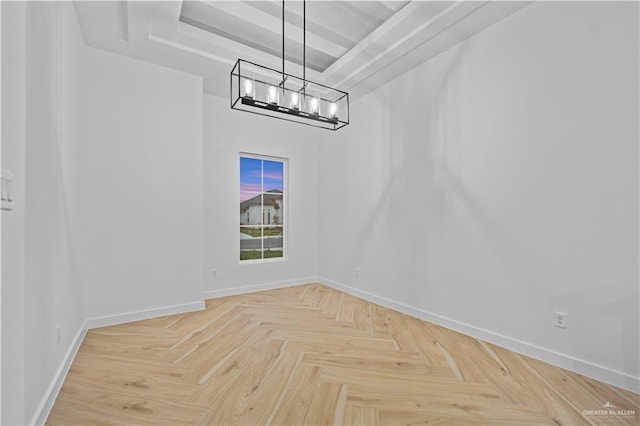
332,27
354,46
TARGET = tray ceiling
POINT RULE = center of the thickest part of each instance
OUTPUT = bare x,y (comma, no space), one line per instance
332,28
355,46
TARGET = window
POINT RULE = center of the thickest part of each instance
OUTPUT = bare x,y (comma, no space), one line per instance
262,207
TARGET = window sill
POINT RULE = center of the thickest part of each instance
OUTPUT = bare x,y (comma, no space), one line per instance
262,261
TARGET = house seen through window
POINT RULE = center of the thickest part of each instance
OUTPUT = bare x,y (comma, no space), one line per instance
262,208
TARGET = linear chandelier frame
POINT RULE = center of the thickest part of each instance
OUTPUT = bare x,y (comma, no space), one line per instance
261,90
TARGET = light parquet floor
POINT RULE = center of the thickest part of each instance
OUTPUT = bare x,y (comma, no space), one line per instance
311,355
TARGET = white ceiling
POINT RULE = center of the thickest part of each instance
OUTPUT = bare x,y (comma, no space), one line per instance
354,46
332,28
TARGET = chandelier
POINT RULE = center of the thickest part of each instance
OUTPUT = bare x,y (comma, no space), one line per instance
262,90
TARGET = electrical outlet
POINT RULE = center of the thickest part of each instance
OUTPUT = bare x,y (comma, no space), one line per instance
215,273
58,334
560,319
357,273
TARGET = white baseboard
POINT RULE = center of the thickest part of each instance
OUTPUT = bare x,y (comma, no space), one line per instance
586,368
145,314
233,291
46,404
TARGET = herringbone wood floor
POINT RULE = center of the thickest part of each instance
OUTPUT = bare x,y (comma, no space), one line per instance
313,355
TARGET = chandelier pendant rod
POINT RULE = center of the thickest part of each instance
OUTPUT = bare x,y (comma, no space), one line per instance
304,46
283,75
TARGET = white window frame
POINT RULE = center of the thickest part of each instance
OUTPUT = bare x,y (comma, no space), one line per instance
285,206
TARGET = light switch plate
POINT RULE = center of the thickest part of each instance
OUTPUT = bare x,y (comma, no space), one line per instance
7,190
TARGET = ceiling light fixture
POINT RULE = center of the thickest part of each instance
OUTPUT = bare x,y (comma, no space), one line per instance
266,91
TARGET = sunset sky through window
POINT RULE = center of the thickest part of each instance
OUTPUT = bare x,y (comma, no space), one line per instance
256,174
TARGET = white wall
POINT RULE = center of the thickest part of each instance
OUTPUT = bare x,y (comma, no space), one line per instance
498,183
13,225
107,153
137,184
227,133
0,222
52,295
39,287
